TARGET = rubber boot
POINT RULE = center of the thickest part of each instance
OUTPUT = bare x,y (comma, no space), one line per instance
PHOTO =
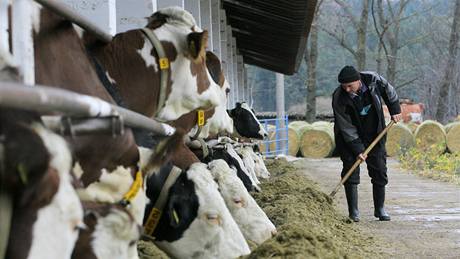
379,200
351,191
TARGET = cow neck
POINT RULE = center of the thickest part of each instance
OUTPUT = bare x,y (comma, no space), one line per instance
164,67
157,210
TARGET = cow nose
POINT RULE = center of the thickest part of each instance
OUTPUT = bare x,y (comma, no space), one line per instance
265,134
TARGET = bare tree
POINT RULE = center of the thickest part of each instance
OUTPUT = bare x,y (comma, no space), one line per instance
447,84
311,59
359,24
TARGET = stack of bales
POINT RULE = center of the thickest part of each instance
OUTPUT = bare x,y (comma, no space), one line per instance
315,140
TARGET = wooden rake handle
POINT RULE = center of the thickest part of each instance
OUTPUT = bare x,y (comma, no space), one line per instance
359,161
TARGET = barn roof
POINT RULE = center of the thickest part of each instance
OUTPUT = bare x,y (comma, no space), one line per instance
271,34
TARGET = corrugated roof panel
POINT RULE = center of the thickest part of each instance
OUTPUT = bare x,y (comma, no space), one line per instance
271,33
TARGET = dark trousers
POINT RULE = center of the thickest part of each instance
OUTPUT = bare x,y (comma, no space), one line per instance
376,165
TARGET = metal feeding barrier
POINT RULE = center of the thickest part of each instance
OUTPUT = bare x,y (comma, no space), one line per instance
277,142
49,100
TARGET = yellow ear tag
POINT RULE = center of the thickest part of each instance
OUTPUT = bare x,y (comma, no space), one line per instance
200,117
164,63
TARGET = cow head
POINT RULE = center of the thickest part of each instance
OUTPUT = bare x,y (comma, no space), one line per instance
132,66
46,210
220,121
246,123
195,222
191,84
251,219
111,232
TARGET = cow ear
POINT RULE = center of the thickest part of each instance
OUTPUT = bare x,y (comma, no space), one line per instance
197,43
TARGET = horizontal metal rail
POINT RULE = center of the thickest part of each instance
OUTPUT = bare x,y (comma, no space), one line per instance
63,10
46,99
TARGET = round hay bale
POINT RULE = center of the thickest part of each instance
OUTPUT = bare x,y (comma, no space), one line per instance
298,124
293,141
412,126
431,135
399,139
453,137
322,123
317,141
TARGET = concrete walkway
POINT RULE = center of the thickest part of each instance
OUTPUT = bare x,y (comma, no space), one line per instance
425,214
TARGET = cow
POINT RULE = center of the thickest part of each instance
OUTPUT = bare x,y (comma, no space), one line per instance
134,67
246,123
251,219
107,166
109,233
36,174
194,223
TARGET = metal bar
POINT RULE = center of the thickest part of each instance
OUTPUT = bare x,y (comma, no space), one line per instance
78,126
50,99
66,12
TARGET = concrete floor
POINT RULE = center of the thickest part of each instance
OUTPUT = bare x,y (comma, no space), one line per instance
425,214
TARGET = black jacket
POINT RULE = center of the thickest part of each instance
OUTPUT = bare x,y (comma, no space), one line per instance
347,127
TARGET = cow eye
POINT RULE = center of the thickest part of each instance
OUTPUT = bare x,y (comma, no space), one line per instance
239,202
213,218
227,90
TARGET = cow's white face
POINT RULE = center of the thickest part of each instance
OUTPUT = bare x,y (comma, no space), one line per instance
259,166
231,151
184,96
248,161
58,222
251,219
214,233
115,236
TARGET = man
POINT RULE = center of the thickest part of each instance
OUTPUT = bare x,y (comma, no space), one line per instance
359,119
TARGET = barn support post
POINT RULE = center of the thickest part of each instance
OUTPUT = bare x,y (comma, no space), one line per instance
4,26
235,70
234,91
194,8
280,114
23,49
206,23
216,25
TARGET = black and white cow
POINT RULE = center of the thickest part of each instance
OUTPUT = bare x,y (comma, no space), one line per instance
246,123
195,221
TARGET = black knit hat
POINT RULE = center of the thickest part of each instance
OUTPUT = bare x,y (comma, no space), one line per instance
348,74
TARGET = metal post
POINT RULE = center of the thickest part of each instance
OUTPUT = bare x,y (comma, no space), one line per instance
235,71
280,107
23,49
206,24
4,26
193,6
240,73
234,92
215,24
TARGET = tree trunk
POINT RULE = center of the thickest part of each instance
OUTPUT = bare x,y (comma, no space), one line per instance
311,58
448,79
361,37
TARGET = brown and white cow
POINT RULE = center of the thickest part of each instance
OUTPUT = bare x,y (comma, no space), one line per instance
132,65
35,171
